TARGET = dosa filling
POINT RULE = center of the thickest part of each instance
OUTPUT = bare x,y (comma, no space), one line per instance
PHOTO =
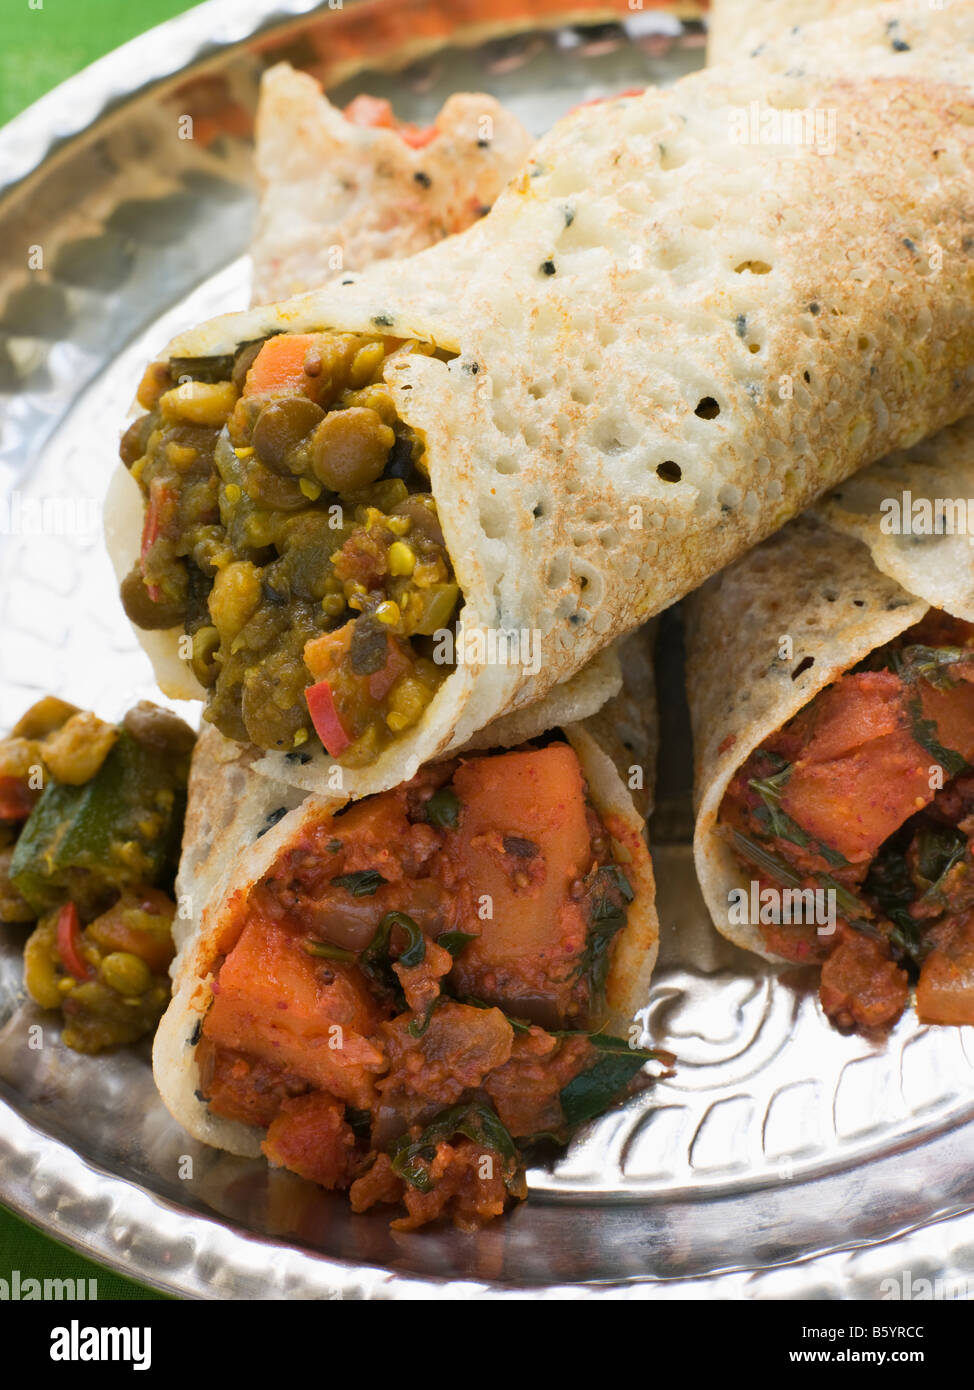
290,532
407,997
868,794
91,816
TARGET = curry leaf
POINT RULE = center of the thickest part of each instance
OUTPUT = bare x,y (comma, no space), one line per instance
477,1122
593,1091
455,941
362,884
609,893
769,789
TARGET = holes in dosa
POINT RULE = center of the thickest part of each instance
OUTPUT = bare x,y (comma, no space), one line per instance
707,408
493,518
669,471
752,267
806,663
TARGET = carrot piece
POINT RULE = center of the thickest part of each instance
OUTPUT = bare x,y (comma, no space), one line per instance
279,366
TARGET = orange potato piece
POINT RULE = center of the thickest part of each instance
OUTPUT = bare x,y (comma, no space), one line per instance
945,991
314,1017
525,956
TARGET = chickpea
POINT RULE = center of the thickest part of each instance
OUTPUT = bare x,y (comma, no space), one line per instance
77,750
235,597
200,402
43,718
125,973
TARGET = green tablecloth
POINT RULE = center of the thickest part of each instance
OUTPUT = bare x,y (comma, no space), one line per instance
40,47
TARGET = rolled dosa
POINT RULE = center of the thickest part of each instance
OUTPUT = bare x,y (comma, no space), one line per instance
646,327
860,752
241,828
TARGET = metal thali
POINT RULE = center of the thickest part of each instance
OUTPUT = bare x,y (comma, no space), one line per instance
781,1159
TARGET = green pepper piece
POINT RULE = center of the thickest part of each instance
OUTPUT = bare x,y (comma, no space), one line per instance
120,830
439,601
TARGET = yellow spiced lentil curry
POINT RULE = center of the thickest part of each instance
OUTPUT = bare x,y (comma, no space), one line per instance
290,531
91,817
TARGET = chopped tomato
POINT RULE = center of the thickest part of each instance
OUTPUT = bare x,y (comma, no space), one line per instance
331,716
69,943
160,499
377,114
322,655
372,112
16,798
324,716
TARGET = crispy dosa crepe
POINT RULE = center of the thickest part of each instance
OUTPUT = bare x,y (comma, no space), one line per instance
809,584
660,354
740,28
243,842
814,771
337,195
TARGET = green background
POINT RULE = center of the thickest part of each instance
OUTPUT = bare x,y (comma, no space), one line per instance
41,47
38,49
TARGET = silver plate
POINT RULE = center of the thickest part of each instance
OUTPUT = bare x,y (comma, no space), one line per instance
781,1160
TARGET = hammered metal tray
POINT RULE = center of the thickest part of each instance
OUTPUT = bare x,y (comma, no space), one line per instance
781,1159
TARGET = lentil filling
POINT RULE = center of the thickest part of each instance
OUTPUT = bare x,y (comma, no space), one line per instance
404,1001
868,795
290,532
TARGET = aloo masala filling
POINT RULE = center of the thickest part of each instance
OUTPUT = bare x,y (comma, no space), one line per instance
291,534
868,795
410,996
